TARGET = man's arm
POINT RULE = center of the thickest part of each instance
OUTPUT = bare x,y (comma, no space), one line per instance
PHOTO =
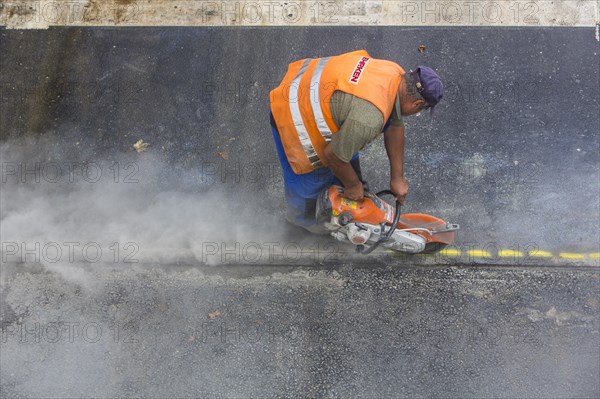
394,145
361,124
353,188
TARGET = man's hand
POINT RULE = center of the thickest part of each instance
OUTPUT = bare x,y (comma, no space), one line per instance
399,186
355,192
353,188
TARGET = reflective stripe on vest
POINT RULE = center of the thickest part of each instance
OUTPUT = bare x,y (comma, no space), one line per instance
315,103
316,100
307,145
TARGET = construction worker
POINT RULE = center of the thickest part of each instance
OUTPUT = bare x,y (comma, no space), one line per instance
327,109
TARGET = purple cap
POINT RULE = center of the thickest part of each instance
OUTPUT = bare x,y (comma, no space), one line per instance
431,87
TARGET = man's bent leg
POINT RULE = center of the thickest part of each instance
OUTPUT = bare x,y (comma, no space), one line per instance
301,191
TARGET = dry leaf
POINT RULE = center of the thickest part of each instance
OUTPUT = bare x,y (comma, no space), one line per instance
214,314
140,146
191,338
422,48
224,155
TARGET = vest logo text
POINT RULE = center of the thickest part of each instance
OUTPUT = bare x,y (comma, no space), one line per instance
360,65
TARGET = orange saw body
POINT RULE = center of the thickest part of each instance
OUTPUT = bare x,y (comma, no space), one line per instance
365,222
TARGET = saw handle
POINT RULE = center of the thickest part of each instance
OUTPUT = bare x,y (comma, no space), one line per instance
383,236
342,190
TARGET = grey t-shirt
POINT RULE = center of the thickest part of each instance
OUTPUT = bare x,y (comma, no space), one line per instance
360,123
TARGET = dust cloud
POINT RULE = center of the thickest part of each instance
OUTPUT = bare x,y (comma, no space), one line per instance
61,206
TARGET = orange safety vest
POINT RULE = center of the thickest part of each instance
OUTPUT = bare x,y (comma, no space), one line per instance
301,103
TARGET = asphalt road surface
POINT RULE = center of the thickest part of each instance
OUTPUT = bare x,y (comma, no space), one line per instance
171,273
